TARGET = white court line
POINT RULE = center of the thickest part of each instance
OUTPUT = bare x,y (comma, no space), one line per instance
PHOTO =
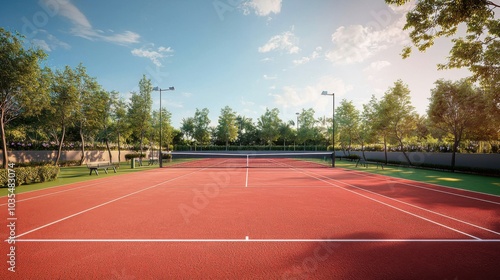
106,203
367,240
401,181
406,203
53,193
103,181
246,179
315,176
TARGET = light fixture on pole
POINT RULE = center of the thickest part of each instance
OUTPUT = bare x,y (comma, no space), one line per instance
160,156
333,125
297,135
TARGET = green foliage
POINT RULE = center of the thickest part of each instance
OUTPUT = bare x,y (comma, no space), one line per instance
269,124
23,83
29,175
227,130
139,110
201,123
477,51
347,119
134,155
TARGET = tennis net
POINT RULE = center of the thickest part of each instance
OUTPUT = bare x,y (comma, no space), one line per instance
251,160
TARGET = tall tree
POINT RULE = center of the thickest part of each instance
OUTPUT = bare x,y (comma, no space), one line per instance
227,129
64,99
286,132
201,126
477,51
167,131
139,111
398,114
269,124
375,115
120,126
187,128
348,119
455,108
23,84
93,106
307,126
247,132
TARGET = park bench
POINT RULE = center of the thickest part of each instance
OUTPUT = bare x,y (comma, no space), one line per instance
104,165
365,163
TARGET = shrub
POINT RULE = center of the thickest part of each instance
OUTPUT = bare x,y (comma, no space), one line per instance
28,175
48,173
134,155
4,176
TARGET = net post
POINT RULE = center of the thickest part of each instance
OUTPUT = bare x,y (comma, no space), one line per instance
333,158
247,161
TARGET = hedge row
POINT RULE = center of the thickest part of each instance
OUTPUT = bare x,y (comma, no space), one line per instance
27,175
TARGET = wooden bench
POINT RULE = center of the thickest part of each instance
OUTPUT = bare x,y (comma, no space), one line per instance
94,166
365,163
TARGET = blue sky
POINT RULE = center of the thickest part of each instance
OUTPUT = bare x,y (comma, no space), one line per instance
247,54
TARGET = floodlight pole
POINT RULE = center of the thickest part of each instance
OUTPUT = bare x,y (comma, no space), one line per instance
297,130
160,156
333,125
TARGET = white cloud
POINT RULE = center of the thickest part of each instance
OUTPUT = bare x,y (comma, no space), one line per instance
310,96
307,59
356,43
155,55
49,42
286,41
377,65
42,45
82,26
262,7
266,77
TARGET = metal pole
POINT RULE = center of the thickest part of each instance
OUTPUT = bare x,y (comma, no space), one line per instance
333,130
160,156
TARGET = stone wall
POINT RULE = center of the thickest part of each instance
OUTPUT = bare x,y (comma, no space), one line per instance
46,156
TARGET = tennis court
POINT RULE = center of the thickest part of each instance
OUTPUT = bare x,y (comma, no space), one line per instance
254,217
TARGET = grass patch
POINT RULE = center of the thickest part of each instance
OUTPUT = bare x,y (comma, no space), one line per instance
478,183
75,174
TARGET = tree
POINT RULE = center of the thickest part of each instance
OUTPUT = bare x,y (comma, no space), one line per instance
247,132
64,100
398,114
347,118
227,129
431,19
269,124
478,50
307,126
139,111
365,133
120,126
376,116
201,123
455,108
23,83
93,106
167,131
187,128
286,132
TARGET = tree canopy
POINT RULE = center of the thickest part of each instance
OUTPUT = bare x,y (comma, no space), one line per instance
23,83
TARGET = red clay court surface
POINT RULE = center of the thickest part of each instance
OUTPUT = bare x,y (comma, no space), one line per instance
254,223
